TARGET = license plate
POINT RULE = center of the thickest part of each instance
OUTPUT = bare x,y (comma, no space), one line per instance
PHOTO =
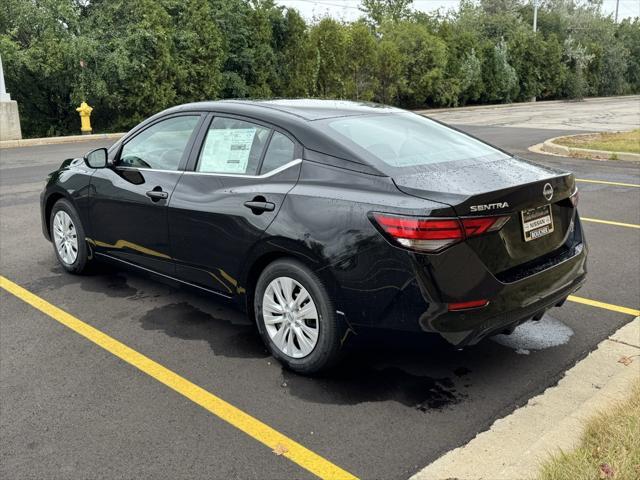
536,222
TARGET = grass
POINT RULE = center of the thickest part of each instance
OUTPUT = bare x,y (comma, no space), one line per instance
611,142
609,449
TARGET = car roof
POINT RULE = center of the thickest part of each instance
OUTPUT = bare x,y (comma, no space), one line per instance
303,108
295,116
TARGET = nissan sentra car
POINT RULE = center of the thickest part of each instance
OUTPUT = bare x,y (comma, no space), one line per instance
319,218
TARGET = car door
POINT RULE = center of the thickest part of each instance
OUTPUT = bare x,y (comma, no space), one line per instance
128,201
227,198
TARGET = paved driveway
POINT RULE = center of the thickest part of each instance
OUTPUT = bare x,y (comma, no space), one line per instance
592,115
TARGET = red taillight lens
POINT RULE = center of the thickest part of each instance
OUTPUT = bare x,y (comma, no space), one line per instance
421,233
478,226
434,234
454,307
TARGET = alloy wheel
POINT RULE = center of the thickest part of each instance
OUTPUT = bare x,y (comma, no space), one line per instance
65,237
290,317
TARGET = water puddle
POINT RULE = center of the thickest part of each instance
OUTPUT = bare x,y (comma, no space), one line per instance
546,333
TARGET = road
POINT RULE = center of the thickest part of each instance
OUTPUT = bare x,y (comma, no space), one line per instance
70,409
592,114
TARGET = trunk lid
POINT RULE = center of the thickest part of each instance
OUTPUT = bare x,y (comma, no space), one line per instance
502,187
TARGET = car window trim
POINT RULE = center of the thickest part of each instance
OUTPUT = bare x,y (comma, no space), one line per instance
188,147
275,171
141,169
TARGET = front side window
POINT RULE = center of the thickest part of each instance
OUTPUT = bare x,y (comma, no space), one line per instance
402,140
233,147
280,152
160,146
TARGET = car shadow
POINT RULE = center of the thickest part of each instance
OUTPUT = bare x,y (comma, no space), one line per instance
188,322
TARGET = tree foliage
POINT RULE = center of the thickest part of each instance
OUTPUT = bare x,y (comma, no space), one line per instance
131,58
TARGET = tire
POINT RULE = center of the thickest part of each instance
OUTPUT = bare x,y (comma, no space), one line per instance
300,320
76,257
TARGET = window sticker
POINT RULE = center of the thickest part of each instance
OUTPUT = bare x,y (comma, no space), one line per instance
227,150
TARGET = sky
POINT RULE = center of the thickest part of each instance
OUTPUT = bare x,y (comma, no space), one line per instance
348,9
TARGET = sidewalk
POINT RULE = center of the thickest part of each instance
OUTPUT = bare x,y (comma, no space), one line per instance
515,446
32,142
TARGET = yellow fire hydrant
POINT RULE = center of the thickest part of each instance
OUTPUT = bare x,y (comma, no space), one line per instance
85,118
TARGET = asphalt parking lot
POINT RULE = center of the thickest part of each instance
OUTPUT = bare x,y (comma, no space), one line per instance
71,409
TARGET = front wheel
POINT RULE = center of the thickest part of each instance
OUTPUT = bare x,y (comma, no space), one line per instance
67,234
296,317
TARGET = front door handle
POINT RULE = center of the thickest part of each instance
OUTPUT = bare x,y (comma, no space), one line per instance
258,207
157,194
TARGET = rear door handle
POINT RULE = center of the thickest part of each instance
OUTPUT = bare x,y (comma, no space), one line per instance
156,195
259,207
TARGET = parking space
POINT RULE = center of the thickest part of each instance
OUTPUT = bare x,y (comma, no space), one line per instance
71,407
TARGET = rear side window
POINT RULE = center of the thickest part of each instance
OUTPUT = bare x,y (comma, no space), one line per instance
280,152
160,146
233,146
407,140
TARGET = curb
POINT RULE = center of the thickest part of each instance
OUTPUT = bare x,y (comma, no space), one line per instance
33,142
549,146
515,446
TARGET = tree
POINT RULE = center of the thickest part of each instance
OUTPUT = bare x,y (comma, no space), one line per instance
499,77
379,11
578,59
527,56
471,77
197,51
296,64
329,39
361,62
424,58
629,36
389,71
134,59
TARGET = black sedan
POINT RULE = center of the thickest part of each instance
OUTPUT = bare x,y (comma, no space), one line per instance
320,218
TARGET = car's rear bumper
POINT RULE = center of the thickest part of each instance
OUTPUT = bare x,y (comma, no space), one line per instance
516,303
420,302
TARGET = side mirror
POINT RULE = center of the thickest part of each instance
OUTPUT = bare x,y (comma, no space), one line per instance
96,158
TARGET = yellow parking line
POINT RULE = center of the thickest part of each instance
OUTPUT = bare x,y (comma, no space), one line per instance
606,306
619,184
608,222
253,427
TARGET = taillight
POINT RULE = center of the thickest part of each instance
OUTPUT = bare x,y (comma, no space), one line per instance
457,306
575,196
434,234
477,226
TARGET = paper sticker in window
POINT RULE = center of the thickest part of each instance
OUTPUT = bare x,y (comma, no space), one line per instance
227,150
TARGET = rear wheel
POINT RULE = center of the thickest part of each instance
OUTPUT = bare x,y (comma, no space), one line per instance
67,234
296,318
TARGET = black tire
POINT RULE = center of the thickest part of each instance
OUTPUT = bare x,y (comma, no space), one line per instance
83,257
327,351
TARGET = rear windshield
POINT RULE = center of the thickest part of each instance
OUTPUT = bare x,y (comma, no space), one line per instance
408,141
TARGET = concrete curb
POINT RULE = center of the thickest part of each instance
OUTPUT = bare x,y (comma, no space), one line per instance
549,146
32,142
515,446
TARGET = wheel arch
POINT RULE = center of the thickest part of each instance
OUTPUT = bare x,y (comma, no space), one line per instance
264,257
50,201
